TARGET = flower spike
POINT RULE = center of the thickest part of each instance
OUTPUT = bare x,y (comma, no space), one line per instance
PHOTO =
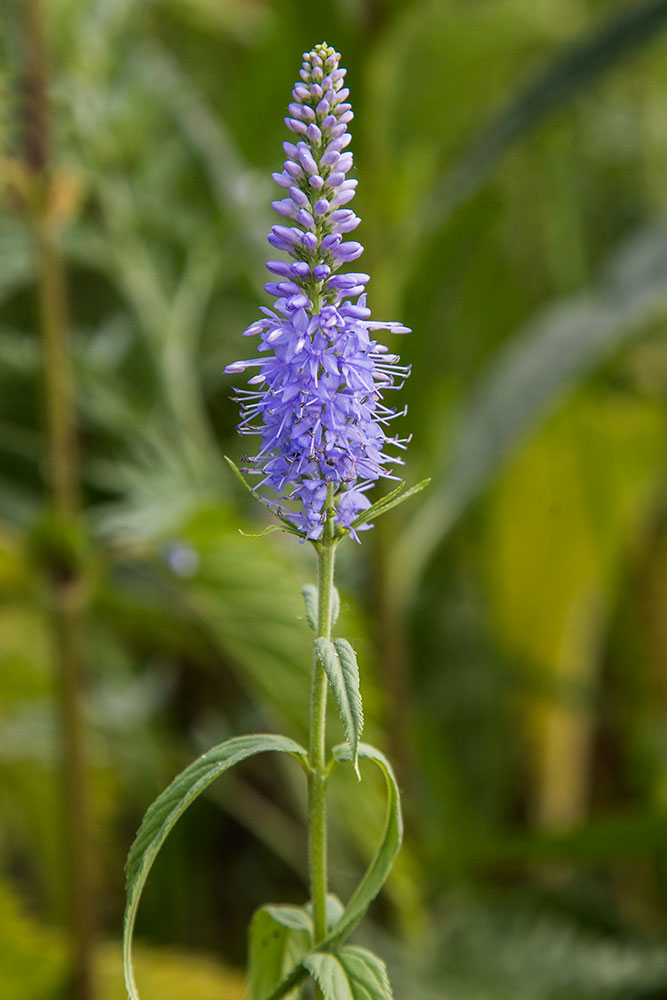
315,394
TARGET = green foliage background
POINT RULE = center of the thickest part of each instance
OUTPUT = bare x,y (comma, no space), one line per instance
511,622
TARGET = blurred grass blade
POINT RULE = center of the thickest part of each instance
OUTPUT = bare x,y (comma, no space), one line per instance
571,72
234,184
558,348
16,259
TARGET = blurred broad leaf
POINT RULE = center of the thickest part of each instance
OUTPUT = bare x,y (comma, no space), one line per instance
558,348
548,513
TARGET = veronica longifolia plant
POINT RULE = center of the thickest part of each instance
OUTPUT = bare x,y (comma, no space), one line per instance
316,400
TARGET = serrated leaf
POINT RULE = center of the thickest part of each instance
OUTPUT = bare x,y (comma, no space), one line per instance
340,665
279,937
310,598
380,867
387,503
170,806
350,974
329,975
367,974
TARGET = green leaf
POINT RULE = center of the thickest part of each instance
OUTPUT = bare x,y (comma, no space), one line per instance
295,918
330,976
340,664
335,605
372,511
310,597
386,503
170,806
279,938
378,871
288,526
335,910
367,974
260,534
309,592
388,496
350,974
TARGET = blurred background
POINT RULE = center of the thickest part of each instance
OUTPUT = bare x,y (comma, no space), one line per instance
511,621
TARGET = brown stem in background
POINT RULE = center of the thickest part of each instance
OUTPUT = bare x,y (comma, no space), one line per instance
64,573
66,595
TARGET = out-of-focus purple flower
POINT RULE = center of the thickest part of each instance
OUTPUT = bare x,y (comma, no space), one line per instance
316,399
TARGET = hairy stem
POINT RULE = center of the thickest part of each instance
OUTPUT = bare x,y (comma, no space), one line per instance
317,819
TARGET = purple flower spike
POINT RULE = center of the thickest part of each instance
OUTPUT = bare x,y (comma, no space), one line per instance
317,400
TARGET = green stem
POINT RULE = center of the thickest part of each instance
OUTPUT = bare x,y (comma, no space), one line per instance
317,818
